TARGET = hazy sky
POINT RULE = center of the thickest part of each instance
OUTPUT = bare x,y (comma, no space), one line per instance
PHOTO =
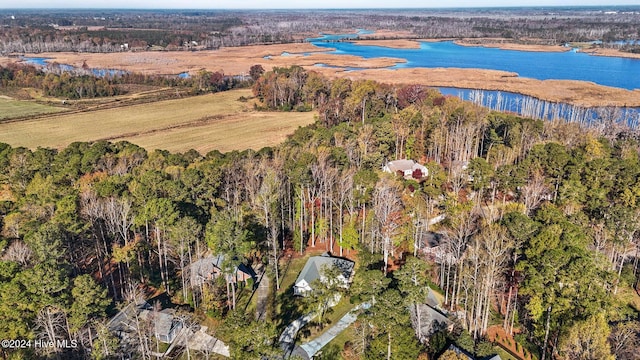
296,4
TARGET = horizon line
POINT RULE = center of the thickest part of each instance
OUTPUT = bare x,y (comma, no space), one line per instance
332,8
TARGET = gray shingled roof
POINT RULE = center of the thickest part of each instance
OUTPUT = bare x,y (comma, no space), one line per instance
315,264
202,269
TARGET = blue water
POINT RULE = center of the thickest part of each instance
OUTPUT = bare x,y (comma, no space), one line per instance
609,71
539,109
40,61
339,37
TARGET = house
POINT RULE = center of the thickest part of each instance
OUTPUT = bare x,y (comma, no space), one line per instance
431,317
123,324
408,169
126,322
313,270
165,326
199,340
211,267
435,247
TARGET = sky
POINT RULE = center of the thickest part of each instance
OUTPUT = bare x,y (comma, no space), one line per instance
299,4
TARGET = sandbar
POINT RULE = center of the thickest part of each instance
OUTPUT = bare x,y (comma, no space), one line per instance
505,44
383,34
394,44
610,53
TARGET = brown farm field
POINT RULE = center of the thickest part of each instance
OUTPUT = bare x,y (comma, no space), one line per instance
208,122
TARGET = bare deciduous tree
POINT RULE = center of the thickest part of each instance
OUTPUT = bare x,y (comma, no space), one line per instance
387,207
534,192
19,252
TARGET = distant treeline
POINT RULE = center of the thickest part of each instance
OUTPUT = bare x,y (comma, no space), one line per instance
58,85
112,31
82,83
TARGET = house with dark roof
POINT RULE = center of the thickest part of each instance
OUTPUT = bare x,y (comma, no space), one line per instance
211,267
314,270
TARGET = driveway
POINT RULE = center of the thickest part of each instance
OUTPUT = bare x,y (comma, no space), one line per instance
313,346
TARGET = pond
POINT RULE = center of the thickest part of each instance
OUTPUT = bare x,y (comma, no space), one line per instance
44,62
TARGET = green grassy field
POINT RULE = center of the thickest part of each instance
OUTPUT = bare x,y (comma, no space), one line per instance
10,108
214,121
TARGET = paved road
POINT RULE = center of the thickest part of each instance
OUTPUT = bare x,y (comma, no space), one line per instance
263,297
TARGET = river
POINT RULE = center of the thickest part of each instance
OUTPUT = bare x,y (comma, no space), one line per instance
569,65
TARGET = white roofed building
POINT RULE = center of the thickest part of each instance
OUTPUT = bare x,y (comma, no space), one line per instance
408,169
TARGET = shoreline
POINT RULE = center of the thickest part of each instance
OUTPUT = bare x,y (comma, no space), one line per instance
579,93
415,44
238,60
610,53
496,43
392,44
505,45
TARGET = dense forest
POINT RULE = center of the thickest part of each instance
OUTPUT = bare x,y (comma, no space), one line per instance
34,31
539,237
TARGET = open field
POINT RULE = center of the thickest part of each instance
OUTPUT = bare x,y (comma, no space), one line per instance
252,130
10,108
207,122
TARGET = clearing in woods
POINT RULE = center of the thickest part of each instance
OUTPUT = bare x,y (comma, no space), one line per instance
208,122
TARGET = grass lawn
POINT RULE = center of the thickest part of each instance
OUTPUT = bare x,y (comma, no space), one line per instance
290,268
10,108
340,340
503,354
247,298
288,306
311,331
213,121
